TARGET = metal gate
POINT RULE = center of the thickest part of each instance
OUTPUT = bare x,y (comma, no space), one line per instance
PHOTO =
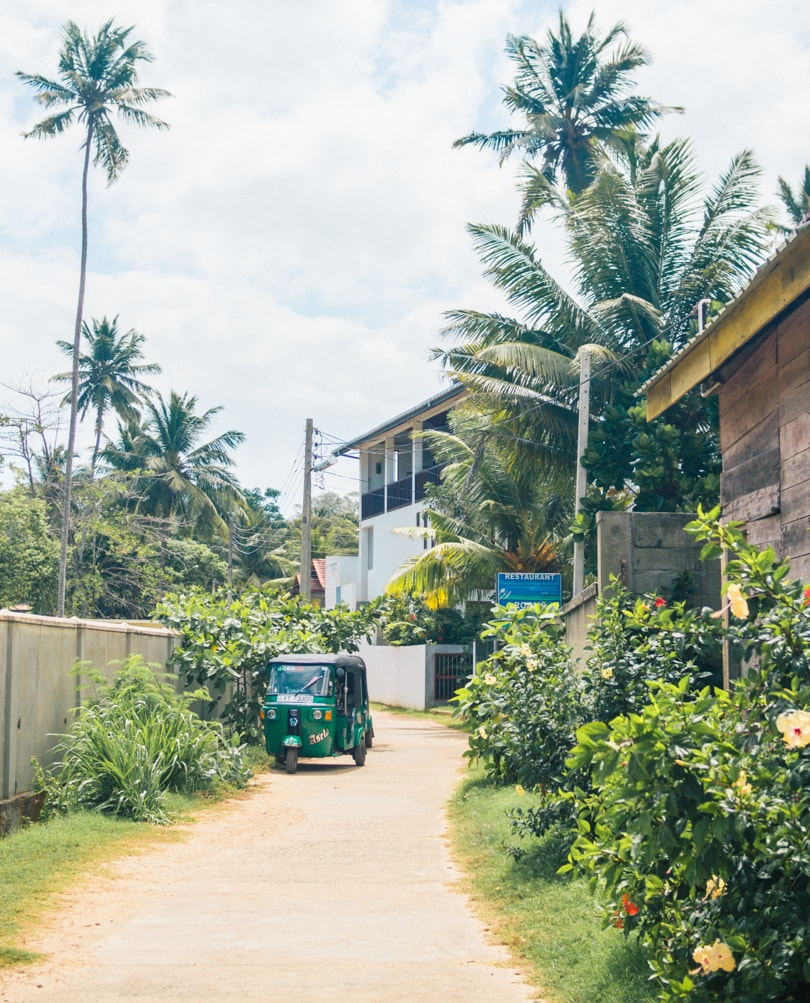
450,672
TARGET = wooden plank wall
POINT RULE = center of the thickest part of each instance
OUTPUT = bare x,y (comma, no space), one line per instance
765,437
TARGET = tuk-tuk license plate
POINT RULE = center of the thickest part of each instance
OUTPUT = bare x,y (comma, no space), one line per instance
295,698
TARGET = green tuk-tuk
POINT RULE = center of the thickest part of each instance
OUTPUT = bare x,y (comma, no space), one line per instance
316,706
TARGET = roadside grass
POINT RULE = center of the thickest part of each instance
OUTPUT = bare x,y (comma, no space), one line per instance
39,862
550,923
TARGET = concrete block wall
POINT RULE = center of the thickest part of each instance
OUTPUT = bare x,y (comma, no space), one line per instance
647,550
38,693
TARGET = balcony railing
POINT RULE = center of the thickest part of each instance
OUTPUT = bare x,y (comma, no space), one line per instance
430,475
372,503
399,493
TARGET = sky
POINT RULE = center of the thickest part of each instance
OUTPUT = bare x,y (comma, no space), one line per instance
290,246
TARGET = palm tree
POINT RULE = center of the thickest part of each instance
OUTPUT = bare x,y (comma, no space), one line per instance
796,203
109,374
572,94
178,474
97,75
498,509
645,253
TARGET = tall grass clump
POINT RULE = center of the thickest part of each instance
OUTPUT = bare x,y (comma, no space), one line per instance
133,744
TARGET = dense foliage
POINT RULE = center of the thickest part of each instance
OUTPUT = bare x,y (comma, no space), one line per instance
686,804
225,645
408,619
702,802
133,743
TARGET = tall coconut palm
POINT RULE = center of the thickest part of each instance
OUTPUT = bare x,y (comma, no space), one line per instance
645,252
573,97
178,474
97,76
109,375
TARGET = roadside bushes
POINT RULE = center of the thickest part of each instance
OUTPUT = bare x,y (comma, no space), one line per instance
522,704
407,619
134,743
225,645
697,827
687,806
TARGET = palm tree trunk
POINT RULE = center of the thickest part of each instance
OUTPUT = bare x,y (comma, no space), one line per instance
74,399
97,446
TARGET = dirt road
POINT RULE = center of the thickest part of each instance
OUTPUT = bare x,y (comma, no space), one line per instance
334,883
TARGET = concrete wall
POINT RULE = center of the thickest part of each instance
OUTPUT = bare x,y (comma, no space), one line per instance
341,581
647,550
577,616
38,692
397,676
403,675
383,550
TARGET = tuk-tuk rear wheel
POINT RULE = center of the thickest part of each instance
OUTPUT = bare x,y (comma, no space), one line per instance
291,762
369,738
359,753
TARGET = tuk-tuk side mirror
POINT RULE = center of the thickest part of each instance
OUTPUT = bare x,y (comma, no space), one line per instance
340,672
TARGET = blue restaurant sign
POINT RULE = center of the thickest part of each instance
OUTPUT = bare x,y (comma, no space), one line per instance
525,590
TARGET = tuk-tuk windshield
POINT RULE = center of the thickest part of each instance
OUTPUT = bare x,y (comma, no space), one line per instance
314,680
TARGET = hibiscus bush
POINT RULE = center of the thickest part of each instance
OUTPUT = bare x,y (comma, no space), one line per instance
524,702
696,825
637,640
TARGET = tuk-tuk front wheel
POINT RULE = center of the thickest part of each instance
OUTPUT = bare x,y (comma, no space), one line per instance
291,761
359,753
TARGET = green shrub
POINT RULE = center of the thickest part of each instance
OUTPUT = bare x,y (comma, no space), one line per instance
524,702
407,619
225,646
135,742
697,827
638,640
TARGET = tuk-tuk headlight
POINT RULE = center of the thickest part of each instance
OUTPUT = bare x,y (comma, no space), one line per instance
270,713
317,715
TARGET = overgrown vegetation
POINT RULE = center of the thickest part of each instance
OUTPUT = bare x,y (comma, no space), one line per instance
407,619
134,743
686,806
226,645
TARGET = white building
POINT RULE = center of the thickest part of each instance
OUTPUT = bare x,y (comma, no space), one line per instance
396,465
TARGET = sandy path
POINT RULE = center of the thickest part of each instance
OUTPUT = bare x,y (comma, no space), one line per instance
332,883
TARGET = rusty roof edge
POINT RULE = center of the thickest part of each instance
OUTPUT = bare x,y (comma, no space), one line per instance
765,269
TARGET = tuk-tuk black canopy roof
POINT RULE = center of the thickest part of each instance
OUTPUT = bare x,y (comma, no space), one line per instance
347,661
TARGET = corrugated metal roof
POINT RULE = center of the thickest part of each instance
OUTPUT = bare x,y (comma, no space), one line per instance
764,270
443,397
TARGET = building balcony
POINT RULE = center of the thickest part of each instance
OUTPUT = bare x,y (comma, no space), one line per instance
430,475
399,493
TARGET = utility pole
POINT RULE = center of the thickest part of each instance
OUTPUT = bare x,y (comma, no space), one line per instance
230,559
582,443
306,518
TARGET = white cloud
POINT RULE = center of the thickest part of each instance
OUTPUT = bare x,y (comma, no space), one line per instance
290,246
